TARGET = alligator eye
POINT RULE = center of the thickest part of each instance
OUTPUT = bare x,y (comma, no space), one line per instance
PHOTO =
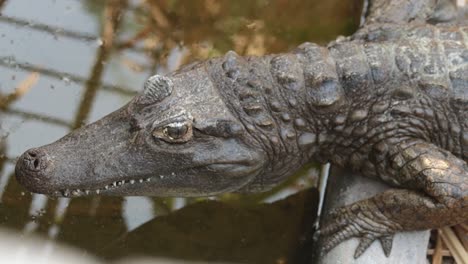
178,132
175,132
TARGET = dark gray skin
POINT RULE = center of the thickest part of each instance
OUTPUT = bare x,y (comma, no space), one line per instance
389,102
134,145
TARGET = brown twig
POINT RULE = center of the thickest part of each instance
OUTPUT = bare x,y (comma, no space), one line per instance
138,36
112,15
22,88
158,15
132,65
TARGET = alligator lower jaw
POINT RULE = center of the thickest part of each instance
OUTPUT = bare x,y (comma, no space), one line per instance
70,193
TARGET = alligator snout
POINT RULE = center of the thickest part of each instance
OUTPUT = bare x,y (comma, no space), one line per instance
32,169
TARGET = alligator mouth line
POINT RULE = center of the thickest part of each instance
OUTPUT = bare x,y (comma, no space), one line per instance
112,186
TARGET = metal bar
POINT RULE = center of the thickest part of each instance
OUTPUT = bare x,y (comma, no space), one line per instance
7,62
55,31
39,117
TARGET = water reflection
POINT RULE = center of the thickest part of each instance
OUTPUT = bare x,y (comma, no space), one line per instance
65,63
280,232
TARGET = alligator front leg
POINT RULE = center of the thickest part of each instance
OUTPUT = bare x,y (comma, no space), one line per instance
439,198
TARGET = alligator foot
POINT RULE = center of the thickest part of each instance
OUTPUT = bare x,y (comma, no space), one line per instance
359,220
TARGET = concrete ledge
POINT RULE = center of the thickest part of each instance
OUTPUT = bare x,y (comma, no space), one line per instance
345,188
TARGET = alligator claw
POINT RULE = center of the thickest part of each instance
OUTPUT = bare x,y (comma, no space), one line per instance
357,220
387,243
367,240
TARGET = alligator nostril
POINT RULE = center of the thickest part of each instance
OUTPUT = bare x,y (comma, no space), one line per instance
36,164
35,160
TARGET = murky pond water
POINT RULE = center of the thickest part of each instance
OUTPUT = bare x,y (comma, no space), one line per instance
65,63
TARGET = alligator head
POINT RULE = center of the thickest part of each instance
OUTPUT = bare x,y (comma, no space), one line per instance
177,137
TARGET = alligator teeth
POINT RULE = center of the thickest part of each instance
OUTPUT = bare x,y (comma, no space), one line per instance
79,192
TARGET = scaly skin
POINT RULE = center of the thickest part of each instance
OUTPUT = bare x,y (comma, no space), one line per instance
389,102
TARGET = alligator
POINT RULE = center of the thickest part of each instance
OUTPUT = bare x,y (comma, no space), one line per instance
389,102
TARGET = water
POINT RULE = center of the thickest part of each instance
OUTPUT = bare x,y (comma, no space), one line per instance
72,62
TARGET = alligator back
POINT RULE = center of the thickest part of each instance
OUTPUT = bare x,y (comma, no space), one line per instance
432,58
424,62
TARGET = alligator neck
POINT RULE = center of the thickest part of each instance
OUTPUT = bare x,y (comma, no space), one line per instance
283,102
